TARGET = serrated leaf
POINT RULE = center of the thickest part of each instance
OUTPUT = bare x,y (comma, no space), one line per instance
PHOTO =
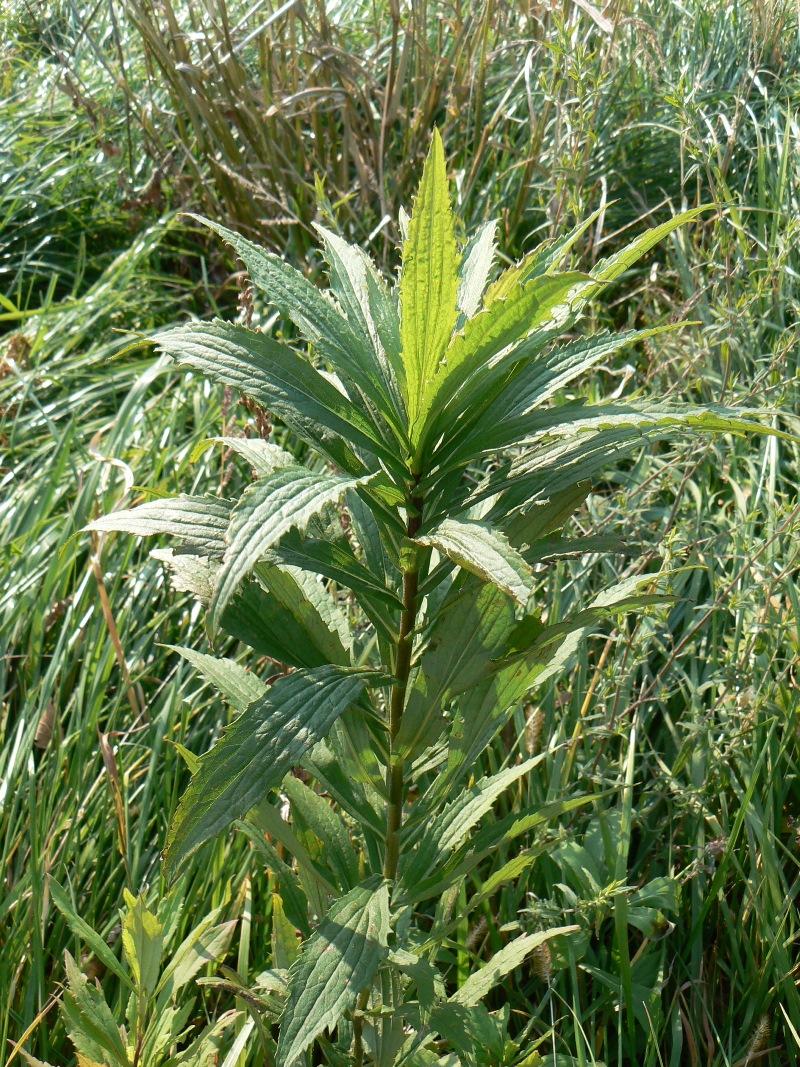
501,964
263,456
482,551
287,499
89,1022
256,751
370,310
199,521
646,416
280,380
289,616
429,280
438,837
504,422
316,316
337,563
143,943
339,960
470,633
479,352
85,932
238,685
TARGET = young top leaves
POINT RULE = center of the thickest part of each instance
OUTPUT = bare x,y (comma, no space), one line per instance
429,282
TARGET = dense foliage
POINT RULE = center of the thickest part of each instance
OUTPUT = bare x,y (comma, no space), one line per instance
681,725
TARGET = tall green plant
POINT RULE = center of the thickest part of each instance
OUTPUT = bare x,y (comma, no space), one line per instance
391,576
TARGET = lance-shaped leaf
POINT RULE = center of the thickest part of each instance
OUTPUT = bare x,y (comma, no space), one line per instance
284,500
283,382
340,959
502,963
471,631
370,310
236,684
429,279
482,551
350,351
504,420
438,837
198,521
143,943
571,420
257,750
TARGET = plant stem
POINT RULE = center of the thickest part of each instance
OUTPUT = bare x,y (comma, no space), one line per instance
405,643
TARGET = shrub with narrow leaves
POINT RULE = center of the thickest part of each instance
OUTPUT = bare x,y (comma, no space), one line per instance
434,419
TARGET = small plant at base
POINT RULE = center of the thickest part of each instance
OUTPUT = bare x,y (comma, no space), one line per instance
432,415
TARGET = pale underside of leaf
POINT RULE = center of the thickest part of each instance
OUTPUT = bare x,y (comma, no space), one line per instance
475,267
198,521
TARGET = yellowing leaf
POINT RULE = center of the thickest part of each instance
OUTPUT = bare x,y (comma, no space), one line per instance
143,942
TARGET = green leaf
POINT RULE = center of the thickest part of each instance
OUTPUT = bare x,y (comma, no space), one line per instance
337,563
429,281
238,685
504,421
331,771
645,416
143,942
482,551
89,1022
287,616
370,310
206,943
281,381
339,960
502,963
284,938
480,352
323,821
199,521
469,634
437,838
89,936
256,751
295,900
349,350
286,499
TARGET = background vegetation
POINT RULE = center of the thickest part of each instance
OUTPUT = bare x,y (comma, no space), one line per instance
117,116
